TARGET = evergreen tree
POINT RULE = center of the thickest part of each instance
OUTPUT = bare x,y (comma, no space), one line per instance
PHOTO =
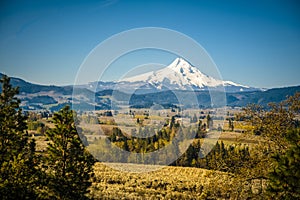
194,119
209,121
172,122
285,178
70,166
18,163
201,132
230,124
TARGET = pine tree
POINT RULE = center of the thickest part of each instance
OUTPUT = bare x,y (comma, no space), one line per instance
285,178
70,165
172,122
194,119
209,121
18,163
230,124
200,132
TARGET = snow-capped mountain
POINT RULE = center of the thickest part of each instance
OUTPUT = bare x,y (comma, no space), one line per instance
179,75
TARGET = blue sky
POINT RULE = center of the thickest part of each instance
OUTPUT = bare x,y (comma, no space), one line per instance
255,43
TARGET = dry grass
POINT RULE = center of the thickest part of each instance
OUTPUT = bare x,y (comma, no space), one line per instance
41,143
165,183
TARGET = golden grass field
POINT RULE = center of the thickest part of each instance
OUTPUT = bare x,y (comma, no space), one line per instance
165,183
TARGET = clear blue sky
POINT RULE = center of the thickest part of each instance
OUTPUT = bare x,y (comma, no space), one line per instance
255,43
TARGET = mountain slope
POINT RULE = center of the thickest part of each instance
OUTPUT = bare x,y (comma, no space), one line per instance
182,74
179,75
275,95
235,99
39,97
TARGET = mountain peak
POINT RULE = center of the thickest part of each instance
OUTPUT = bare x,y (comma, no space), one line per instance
179,62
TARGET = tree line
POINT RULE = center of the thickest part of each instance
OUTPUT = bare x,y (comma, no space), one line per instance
228,158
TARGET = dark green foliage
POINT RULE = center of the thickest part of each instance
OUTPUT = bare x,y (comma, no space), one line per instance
209,121
230,124
285,178
69,165
230,158
142,143
201,131
18,163
172,123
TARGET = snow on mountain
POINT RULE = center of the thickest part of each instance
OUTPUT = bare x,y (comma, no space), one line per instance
179,75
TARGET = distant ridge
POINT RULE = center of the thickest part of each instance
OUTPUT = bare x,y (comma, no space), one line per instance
41,97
